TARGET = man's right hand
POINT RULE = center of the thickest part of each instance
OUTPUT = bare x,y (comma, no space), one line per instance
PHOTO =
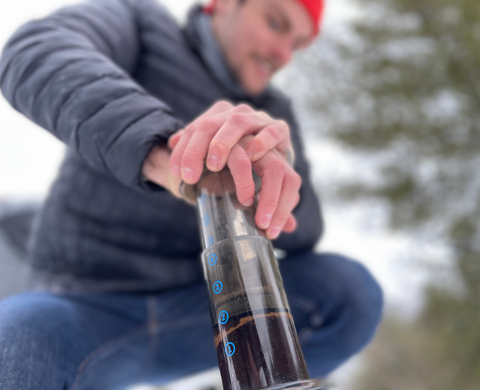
156,168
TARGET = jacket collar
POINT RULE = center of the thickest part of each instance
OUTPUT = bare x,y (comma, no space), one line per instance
201,40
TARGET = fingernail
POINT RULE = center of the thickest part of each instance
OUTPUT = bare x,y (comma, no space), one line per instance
265,222
187,174
176,171
249,153
274,232
213,162
249,202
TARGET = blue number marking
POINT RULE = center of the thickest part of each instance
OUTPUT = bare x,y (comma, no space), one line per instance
203,199
206,219
229,349
212,259
223,317
217,287
209,241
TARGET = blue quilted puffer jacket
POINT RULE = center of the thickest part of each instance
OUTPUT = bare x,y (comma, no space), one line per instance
110,79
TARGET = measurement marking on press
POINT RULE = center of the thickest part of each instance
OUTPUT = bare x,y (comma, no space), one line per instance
217,286
229,349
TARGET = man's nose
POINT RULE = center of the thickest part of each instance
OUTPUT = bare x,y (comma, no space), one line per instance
284,52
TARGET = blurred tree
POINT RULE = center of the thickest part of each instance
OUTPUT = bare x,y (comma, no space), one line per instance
401,90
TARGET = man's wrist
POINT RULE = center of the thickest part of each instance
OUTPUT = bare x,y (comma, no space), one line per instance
156,165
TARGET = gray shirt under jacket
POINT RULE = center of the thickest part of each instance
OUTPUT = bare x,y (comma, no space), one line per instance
111,79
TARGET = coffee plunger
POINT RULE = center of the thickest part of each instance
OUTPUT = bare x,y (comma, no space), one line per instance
254,333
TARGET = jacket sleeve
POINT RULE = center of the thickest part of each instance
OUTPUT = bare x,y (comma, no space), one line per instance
308,212
70,74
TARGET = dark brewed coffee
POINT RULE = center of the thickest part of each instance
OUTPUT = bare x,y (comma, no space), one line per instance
257,350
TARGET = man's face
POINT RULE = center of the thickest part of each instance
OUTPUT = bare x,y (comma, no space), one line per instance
259,37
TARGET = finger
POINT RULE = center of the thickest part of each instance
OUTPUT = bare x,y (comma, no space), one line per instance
241,169
296,201
195,151
271,169
275,135
241,122
189,155
174,138
290,188
290,225
218,107
177,154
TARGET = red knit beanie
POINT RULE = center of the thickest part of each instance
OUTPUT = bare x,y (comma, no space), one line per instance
313,7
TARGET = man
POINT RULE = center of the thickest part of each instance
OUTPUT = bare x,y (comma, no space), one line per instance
142,104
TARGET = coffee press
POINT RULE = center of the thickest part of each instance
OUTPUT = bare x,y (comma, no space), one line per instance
254,333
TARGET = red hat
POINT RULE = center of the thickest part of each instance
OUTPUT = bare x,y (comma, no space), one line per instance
313,7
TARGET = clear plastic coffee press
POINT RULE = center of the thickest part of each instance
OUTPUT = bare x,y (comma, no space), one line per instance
254,333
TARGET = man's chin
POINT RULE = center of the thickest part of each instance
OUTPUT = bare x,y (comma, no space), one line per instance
255,89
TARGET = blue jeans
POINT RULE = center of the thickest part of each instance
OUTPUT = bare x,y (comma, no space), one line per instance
86,341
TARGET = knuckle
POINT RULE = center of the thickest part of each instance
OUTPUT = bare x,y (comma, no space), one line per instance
191,128
296,180
282,215
220,145
189,154
243,164
271,131
243,108
272,203
260,143
238,119
175,156
278,165
283,131
223,105
284,125
206,124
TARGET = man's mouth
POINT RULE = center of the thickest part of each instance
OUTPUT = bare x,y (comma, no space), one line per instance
265,67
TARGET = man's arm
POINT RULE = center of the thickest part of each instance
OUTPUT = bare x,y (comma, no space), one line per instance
69,73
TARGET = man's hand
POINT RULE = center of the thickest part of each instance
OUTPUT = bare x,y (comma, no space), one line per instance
156,168
212,136
279,193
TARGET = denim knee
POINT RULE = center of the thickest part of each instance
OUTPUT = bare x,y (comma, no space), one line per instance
337,305
365,300
362,302
33,353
